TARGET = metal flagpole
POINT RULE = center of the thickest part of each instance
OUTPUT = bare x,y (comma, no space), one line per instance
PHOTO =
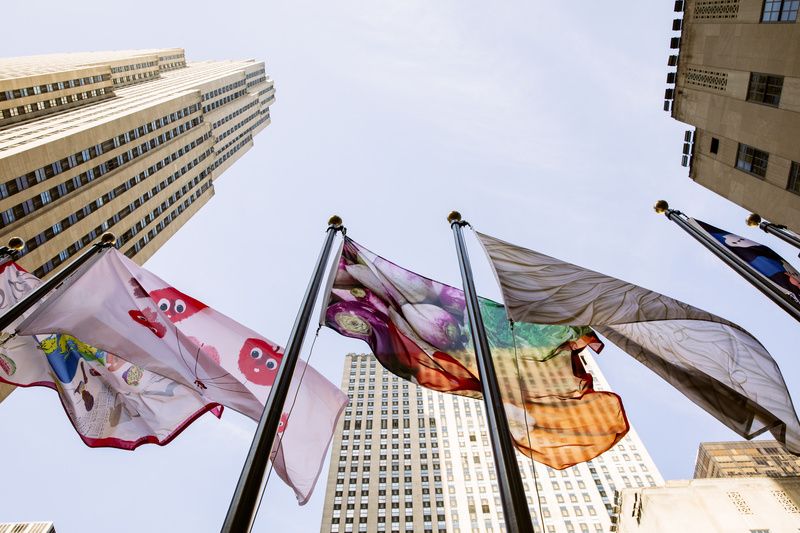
512,492
780,231
107,240
250,488
729,258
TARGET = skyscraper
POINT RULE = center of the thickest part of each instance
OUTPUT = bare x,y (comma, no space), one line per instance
745,459
129,142
405,458
736,81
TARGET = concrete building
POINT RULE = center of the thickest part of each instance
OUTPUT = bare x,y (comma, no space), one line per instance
738,83
405,458
756,458
747,505
129,142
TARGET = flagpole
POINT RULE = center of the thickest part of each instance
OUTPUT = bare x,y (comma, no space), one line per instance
729,258
244,504
779,230
512,491
107,240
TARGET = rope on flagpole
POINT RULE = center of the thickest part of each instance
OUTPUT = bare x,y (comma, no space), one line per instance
525,415
291,408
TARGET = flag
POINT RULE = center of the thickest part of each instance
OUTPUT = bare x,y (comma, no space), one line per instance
779,274
714,362
417,329
109,401
122,308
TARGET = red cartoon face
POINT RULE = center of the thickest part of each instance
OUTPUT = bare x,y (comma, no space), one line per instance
176,305
284,421
149,319
259,361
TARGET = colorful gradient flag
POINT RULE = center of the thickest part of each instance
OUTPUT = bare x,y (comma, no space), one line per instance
781,275
109,401
416,327
122,308
715,363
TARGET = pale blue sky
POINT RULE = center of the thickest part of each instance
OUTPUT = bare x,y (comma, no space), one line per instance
540,121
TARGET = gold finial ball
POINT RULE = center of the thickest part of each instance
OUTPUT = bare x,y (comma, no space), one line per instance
753,220
335,221
454,216
15,243
661,207
108,238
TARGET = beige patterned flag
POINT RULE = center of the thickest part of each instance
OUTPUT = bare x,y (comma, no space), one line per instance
714,362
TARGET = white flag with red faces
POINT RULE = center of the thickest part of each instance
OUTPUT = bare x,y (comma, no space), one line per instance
122,308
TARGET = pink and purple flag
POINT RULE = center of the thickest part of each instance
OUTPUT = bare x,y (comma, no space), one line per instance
120,308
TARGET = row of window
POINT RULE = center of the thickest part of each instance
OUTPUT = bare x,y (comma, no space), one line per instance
216,92
137,66
27,207
233,115
50,87
85,211
49,104
169,58
234,128
137,77
754,161
94,233
256,81
21,183
255,73
172,215
245,137
232,151
222,101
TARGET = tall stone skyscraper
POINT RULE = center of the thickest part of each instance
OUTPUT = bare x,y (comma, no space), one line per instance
405,458
737,81
129,142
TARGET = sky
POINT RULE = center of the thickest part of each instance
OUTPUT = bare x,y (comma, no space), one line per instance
541,122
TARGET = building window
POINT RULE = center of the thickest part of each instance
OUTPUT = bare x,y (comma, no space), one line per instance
752,160
794,178
714,145
780,10
765,89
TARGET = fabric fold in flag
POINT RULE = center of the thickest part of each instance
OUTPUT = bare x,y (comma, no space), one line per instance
775,270
417,329
121,308
109,401
714,362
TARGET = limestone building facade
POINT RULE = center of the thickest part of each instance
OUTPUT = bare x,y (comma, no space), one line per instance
737,81
749,505
130,142
405,458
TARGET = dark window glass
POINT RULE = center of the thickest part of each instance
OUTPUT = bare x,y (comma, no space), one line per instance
714,145
752,160
765,89
794,178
